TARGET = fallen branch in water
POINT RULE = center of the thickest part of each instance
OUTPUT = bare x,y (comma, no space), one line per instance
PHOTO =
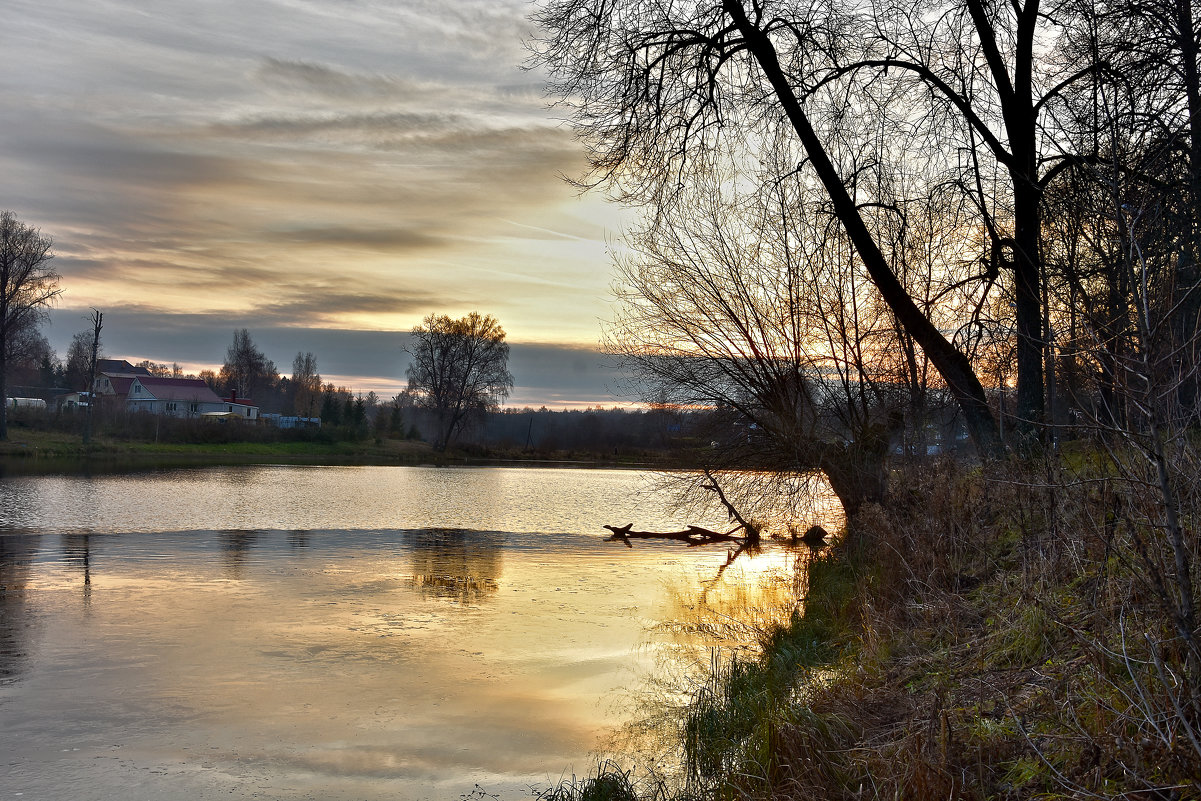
752,530
693,535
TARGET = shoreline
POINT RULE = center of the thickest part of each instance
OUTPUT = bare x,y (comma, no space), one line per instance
55,453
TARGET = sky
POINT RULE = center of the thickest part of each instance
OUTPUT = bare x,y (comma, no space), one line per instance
324,173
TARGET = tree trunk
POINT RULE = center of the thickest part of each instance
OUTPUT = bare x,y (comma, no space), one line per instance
858,473
1188,280
952,365
3,388
1027,274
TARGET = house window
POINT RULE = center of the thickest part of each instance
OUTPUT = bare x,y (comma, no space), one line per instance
229,408
170,407
192,407
137,388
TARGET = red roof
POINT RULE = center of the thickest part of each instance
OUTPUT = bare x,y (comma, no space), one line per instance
120,383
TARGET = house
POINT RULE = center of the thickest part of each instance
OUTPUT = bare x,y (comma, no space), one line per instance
114,377
120,366
179,397
120,384
242,407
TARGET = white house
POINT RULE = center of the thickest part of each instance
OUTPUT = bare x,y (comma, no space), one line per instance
183,397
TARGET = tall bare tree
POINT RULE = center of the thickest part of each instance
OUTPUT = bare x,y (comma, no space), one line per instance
246,368
306,385
28,285
656,88
760,312
460,369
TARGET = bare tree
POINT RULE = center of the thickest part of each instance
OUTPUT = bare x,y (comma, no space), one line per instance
97,325
28,286
79,361
246,368
28,352
460,369
761,313
965,85
306,384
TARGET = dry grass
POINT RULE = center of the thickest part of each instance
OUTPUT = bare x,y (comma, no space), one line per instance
989,633
999,656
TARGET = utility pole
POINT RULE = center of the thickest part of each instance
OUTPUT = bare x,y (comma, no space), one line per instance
97,324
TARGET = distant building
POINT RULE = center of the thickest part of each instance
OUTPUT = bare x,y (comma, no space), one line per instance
26,403
119,367
289,421
242,407
120,384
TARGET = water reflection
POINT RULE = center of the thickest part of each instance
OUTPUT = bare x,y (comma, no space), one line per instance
458,564
77,553
731,610
17,552
477,633
236,545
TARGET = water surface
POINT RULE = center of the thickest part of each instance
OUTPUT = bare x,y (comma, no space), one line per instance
325,632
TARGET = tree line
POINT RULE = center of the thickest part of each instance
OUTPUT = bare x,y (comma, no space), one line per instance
459,369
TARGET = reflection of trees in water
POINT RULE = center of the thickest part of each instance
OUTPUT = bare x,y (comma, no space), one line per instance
736,607
235,544
706,619
77,553
459,564
17,552
299,539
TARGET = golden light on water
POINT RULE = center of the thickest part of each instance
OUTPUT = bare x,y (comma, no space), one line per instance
319,637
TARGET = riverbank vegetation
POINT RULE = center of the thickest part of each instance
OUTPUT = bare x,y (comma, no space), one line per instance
1000,632
383,434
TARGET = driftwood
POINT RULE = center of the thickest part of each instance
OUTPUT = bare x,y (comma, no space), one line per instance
693,535
752,531
696,535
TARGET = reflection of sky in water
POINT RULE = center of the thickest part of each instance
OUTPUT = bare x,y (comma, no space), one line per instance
322,632
248,498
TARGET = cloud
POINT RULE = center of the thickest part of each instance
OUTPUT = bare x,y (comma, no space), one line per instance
381,126
326,82
389,239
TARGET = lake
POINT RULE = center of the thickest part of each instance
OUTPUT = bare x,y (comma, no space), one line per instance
330,632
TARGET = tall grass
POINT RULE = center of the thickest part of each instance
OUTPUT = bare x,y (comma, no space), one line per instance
991,632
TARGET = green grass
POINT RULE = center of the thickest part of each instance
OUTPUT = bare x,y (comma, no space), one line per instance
33,450
731,723
610,783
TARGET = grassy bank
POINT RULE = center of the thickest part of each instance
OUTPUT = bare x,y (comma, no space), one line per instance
34,450
986,634
30,444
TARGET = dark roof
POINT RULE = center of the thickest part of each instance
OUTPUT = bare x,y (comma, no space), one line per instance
120,367
178,389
